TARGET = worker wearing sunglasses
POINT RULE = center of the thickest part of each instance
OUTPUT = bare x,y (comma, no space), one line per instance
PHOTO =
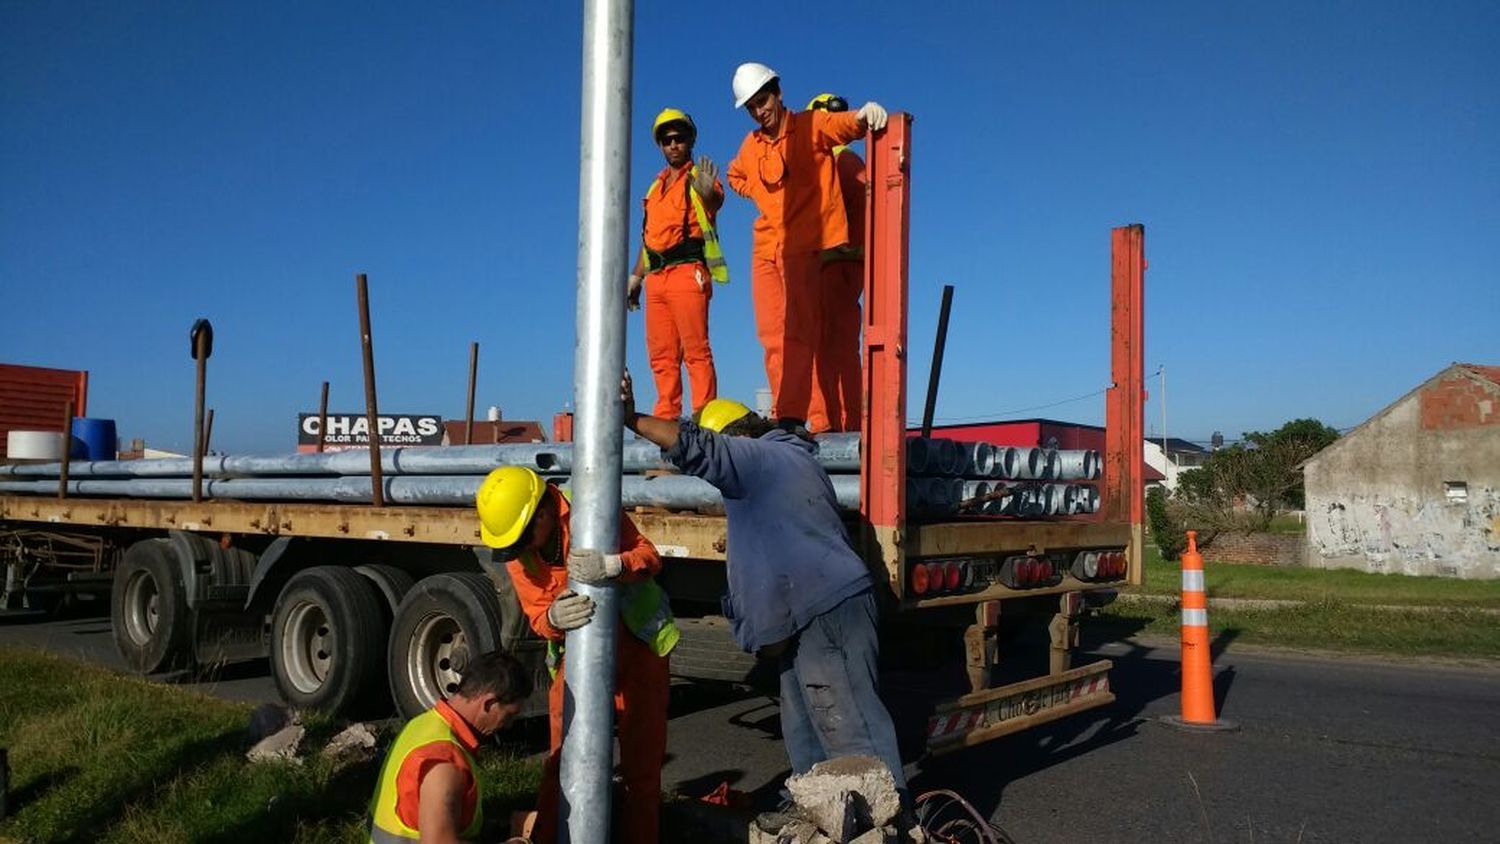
786,167
679,256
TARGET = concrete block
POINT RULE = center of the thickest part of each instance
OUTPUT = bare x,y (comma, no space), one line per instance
268,718
357,741
822,793
281,745
879,835
779,828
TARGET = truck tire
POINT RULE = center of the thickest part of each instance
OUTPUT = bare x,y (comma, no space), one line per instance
149,613
443,620
327,641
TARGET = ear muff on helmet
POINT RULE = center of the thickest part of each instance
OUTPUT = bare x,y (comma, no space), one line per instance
828,102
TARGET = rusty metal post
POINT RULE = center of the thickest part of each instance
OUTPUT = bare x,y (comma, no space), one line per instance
367,347
208,431
202,336
67,450
469,407
323,418
938,345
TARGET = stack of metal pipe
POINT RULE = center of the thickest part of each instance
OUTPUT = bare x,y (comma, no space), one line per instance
945,477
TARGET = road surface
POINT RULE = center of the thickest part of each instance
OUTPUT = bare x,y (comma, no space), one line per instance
1330,749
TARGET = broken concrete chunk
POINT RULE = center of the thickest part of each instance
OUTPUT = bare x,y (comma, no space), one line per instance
282,744
267,719
357,740
819,793
879,835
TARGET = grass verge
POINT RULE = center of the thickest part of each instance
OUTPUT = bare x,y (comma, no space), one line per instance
99,757
1333,586
1322,625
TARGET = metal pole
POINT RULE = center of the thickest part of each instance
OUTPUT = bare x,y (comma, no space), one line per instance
67,449
202,336
323,418
208,431
1165,457
603,243
367,348
937,359
469,407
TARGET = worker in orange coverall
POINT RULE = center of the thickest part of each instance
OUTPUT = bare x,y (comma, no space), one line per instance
837,363
785,166
527,521
679,263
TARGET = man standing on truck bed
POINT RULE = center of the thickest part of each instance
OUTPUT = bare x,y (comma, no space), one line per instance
680,261
429,787
797,591
785,167
837,363
528,521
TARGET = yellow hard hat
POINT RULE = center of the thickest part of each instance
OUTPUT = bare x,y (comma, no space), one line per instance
673,115
721,413
506,501
828,102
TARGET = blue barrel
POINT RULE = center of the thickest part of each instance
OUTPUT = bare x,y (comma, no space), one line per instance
97,436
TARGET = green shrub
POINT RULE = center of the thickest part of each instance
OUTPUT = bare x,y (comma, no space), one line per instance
1170,537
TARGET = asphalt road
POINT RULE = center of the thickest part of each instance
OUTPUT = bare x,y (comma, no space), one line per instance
1330,749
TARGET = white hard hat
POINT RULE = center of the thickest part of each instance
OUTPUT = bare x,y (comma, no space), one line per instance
749,78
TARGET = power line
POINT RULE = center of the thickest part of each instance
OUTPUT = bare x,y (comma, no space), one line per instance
998,413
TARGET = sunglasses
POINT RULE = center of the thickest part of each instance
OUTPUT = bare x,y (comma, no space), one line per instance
669,140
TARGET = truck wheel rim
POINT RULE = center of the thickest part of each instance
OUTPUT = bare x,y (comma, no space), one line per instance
436,648
307,647
142,607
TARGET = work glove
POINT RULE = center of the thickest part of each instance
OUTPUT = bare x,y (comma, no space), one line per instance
703,180
633,292
570,611
873,116
588,566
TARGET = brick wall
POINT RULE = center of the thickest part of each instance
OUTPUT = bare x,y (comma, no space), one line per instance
1261,549
1459,401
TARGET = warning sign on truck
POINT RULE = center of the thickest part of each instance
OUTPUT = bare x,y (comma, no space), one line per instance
353,431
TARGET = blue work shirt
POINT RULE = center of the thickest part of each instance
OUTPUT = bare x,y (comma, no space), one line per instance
789,555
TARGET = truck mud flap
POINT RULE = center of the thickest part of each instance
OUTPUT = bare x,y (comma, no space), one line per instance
979,717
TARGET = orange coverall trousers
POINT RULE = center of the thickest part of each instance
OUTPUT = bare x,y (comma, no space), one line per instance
641,695
677,300
837,365
786,290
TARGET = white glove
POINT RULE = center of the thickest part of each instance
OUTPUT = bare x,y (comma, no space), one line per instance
570,611
873,116
633,292
588,566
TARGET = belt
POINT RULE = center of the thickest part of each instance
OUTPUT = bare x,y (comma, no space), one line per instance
689,251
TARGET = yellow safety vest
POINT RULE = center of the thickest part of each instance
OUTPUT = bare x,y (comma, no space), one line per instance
713,254
386,826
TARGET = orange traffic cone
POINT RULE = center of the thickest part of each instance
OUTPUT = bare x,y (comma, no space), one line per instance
1197,662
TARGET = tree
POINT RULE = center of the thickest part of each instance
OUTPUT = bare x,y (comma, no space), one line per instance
1239,489
1168,533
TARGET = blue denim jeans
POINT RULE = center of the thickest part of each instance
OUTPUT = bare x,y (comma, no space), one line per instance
830,702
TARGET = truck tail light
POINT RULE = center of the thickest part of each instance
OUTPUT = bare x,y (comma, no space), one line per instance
953,574
919,583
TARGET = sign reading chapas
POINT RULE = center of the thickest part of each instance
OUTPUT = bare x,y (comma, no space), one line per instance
353,431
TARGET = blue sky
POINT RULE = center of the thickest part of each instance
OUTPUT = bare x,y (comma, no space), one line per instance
1320,184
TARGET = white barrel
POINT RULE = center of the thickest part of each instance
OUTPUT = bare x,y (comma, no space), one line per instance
34,445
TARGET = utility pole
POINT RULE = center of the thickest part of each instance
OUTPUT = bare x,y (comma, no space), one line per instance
598,364
1166,458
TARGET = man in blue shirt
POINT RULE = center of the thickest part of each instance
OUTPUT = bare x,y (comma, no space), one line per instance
797,591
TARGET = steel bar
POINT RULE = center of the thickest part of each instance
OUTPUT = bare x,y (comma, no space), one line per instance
598,364
367,351
938,344
202,335
323,417
469,404
67,449
208,431
1077,465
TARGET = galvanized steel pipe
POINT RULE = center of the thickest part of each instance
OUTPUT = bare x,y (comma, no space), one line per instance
598,364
